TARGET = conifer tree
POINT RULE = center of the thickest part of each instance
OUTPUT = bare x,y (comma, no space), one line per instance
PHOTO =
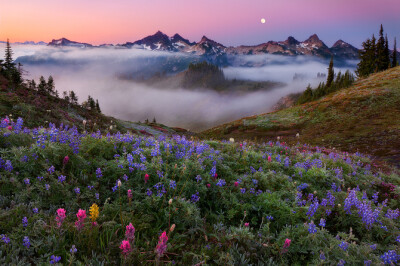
8,62
331,74
380,52
73,98
387,53
394,55
306,96
32,84
42,85
50,85
367,55
91,103
65,96
98,107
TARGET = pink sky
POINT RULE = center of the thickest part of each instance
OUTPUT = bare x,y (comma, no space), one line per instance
230,22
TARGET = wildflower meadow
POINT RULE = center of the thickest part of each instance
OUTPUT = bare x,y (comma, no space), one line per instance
96,198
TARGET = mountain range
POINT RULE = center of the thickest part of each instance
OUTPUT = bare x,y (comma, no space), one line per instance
159,41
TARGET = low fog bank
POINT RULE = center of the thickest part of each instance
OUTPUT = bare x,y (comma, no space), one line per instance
96,72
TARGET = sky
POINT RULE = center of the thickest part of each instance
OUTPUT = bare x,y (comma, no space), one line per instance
230,22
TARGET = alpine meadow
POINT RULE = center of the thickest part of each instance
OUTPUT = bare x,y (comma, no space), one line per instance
198,133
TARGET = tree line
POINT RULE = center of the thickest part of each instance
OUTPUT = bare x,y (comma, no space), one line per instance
13,73
334,82
375,55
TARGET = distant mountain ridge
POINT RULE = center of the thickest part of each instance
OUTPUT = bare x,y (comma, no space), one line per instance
28,43
159,41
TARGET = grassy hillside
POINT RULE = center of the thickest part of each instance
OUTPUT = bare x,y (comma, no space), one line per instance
364,117
40,110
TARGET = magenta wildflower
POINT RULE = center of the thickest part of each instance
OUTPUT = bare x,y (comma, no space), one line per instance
130,233
162,245
66,159
286,245
125,247
60,217
81,219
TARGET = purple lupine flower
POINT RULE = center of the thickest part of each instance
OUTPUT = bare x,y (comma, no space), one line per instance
312,209
322,222
26,242
98,173
47,186
322,256
27,181
54,259
51,169
77,191
344,245
312,229
40,178
390,257
8,166
97,195
5,239
195,197
24,222
73,249
61,178
221,182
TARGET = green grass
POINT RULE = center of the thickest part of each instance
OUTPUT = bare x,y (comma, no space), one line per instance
364,117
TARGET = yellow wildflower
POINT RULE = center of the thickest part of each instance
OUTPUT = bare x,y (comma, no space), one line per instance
94,212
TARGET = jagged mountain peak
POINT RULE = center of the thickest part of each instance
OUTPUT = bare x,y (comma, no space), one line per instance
291,41
341,43
204,40
178,38
313,39
66,42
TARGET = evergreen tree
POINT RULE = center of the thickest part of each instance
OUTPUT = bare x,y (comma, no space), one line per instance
10,71
367,55
154,120
32,84
8,62
65,96
98,107
372,56
50,85
394,55
42,85
73,98
306,96
331,74
387,53
91,103
380,52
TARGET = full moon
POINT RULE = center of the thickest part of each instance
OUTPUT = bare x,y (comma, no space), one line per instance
263,20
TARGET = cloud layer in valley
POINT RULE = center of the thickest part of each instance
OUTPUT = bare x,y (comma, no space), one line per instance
97,72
